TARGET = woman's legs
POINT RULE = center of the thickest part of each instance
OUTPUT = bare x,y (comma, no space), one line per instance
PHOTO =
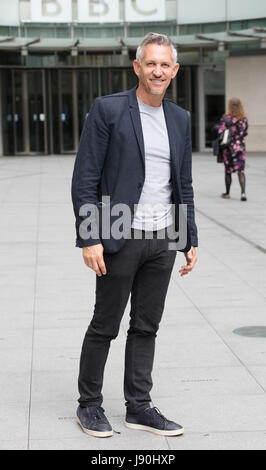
242,181
228,182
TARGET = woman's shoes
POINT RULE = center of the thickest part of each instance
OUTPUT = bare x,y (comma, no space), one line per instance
227,196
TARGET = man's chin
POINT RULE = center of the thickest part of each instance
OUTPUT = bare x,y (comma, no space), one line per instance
155,92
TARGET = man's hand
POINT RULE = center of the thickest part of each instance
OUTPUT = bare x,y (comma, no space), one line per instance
191,258
93,258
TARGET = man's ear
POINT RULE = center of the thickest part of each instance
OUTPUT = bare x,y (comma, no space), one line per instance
136,66
176,68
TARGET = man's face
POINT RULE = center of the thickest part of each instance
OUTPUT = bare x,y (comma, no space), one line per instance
156,69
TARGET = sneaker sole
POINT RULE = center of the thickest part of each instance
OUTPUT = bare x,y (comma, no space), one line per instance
95,433
141,427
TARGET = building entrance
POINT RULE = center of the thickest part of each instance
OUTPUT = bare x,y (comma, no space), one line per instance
26,115
44,110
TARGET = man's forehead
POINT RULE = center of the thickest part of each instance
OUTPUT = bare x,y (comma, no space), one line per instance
157,52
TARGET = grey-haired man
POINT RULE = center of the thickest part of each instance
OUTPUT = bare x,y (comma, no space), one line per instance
135,148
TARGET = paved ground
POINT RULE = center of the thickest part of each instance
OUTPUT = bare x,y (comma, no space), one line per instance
206,377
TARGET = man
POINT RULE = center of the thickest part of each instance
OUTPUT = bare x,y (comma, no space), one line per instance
135,148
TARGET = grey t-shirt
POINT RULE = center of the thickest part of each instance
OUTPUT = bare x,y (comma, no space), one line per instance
154,211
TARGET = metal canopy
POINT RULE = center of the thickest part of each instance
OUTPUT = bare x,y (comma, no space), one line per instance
59,44
233,37
209,40
188,40
100,44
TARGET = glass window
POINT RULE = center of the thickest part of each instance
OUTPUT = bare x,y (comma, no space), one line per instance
4,30
10,58
254,46
37,32
78,32
214,93
47,59
162,29
237,25
132,79
92,32
18,115
104,82
189,29
7,113
237,47
66,117
116,81
94,85
119,31
257,23
54,111
213,27
36,111
107,32
135,31
13,31
62,32
84,97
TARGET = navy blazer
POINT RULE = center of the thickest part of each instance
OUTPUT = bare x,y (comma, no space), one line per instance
111,162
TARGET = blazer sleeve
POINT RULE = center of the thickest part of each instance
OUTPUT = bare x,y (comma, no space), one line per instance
187,188
88,168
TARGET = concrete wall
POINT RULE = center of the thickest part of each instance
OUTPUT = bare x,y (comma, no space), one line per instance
245,79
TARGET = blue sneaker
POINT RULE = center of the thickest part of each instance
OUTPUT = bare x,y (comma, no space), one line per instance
152,420
93,421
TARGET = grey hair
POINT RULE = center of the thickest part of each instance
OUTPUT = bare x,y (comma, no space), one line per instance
155,38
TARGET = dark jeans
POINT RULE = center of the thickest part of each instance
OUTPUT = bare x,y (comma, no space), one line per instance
143,268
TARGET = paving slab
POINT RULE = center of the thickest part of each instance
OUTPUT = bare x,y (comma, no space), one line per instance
220,441
205,376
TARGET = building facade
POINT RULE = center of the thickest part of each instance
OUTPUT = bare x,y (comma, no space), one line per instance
57,56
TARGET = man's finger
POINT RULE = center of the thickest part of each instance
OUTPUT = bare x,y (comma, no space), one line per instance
96,268
102,266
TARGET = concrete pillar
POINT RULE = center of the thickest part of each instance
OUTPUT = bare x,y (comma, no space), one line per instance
245,79
201,109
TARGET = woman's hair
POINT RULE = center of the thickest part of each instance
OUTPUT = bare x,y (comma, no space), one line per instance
155,38
236,109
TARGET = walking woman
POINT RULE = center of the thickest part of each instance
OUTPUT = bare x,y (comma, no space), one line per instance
234,155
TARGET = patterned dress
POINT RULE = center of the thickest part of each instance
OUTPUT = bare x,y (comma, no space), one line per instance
235,155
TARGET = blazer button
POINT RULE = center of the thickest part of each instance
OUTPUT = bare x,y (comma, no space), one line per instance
140,185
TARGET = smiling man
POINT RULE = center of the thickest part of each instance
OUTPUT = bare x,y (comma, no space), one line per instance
135,148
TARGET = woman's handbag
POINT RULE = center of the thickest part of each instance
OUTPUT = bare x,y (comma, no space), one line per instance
225,137
217,151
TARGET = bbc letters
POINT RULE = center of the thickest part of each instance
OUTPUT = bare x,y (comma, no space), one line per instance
97,11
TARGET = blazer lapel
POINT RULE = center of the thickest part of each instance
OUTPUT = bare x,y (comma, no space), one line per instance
175,148
136,121
173,133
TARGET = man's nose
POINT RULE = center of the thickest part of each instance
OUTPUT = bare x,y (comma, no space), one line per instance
157,71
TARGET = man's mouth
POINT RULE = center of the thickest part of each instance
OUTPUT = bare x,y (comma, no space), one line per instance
156,81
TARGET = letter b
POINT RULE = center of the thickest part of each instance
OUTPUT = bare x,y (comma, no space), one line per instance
51,8
96,3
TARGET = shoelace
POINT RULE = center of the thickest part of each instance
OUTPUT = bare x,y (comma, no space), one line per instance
100,416
158,416
97,412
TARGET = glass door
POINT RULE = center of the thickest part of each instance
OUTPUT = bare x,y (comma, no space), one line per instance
85,96
68,111
214,99
37,112
29,112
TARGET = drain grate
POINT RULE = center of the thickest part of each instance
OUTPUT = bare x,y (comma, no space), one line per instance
251,331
